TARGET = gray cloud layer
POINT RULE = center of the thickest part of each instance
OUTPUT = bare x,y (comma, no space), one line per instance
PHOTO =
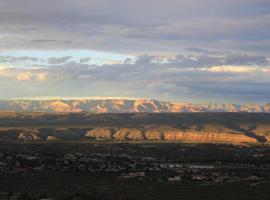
136,26
185,77
187,50
55,60
12,59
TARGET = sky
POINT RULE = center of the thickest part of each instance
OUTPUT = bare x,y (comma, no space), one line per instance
175,50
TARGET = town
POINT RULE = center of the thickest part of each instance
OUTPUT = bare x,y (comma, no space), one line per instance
101,166
133,164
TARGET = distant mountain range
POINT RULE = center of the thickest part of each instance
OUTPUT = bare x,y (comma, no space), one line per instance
123,106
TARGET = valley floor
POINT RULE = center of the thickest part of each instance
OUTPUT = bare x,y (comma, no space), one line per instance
142,171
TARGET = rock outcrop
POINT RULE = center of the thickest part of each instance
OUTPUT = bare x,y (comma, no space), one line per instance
128,134
100,133
25,136
170,134
52,138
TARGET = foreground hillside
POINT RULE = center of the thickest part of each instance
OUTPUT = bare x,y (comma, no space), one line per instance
235,128
124,106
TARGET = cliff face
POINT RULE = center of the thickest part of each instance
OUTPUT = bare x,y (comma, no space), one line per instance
140,134
235,128
190,135
123,106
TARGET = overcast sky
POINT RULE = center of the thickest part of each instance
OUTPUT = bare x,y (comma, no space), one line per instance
180,50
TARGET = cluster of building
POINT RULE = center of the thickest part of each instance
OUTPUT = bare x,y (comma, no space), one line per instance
129,167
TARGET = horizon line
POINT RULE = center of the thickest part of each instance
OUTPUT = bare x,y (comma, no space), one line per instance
48,98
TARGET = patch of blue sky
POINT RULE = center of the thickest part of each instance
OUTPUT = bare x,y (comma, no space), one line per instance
96,57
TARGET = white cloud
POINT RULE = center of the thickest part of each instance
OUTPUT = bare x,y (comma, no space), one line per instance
26,76
241,69
41,76
232,69
4,66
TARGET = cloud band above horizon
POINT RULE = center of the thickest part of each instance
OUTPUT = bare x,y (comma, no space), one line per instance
168,50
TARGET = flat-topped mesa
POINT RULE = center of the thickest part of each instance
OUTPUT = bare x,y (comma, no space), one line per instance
123,106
